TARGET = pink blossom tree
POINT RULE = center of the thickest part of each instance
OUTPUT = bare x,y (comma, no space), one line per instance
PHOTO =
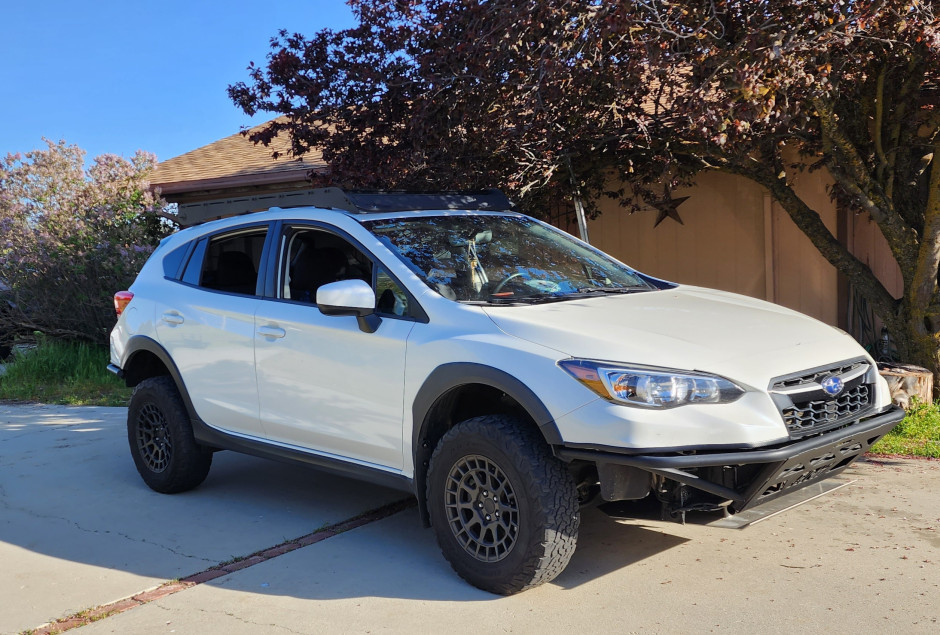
70,237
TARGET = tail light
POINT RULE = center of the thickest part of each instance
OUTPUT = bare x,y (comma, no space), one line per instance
121,300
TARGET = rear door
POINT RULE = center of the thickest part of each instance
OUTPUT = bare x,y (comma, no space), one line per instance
208,328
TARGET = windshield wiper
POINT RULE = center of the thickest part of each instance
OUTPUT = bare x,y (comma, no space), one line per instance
528,299
589,290
554,297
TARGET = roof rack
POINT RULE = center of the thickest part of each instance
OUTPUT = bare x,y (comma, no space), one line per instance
355,202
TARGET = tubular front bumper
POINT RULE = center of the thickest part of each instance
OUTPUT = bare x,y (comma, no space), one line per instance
784,468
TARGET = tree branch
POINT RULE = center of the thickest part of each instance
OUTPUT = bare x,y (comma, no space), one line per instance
852,174
879,123
903,99
809,222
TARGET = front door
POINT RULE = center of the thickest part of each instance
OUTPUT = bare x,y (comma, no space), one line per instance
323,383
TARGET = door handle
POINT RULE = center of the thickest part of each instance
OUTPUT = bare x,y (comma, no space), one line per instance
172,317
273,332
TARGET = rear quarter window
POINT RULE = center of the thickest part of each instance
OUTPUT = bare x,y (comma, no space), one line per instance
173,261
194,267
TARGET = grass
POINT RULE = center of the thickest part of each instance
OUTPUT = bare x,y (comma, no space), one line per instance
918,434
70,373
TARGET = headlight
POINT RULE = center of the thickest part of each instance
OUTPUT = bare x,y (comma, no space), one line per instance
651,387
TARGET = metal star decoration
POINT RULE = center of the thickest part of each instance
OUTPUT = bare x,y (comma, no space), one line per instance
667,208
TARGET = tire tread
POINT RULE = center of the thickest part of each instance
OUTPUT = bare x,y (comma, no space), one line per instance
190,462
549,488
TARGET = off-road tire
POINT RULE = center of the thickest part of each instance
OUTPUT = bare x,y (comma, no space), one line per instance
533,537
161,438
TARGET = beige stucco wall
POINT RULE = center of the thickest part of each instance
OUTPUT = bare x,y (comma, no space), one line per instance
733,238
803,279
868,244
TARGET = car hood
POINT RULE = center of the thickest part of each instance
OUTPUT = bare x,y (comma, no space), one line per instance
688,328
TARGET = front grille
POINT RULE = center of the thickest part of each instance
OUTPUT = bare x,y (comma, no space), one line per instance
815,376
808,409
810,416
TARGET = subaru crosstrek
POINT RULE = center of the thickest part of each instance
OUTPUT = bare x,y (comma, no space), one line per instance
502,371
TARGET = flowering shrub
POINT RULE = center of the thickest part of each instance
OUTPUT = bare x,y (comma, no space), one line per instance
70,237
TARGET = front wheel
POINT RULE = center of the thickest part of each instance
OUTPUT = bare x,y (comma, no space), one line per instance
504,510
161,438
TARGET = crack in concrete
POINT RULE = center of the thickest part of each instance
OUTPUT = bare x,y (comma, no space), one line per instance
248,622
68,521
238,618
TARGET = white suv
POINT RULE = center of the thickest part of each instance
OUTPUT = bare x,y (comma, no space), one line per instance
502,371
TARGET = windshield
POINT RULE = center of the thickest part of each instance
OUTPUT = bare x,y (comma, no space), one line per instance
502,259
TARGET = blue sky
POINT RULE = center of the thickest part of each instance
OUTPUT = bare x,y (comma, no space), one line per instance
116,76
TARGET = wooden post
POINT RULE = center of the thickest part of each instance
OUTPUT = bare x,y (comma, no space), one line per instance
906,381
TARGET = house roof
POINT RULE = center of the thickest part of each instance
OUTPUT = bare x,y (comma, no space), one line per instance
233,162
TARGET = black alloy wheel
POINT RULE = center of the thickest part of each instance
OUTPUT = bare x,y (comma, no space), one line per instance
481,508
153,441
161,439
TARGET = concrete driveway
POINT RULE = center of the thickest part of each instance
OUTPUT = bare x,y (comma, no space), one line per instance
79,530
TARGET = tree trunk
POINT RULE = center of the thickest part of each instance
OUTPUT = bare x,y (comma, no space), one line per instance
920,306
908,382
922,345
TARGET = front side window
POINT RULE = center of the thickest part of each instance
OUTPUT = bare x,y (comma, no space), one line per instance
502,259
312,258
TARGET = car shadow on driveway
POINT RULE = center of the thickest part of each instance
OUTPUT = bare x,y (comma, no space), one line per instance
396,558
69,491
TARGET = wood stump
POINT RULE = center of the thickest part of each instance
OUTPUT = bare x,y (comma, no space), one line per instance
906,381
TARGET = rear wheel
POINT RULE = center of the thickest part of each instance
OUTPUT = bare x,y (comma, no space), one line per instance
161,438
504,510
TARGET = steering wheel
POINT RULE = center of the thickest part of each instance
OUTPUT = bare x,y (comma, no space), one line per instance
502,283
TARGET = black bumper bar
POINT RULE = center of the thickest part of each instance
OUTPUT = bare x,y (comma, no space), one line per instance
787,467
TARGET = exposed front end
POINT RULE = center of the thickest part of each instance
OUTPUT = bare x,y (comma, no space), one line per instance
827,417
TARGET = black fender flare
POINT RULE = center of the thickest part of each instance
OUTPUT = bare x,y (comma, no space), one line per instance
445,378
142,343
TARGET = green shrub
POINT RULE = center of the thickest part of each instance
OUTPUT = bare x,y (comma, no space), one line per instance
918,434
59,372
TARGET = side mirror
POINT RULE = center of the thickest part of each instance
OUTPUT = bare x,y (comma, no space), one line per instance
350,297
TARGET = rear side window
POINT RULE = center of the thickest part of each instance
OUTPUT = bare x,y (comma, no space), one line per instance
230,262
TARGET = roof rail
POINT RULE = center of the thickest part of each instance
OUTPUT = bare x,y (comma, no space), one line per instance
377,202
356,202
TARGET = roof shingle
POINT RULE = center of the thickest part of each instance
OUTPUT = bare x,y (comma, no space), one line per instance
233,160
